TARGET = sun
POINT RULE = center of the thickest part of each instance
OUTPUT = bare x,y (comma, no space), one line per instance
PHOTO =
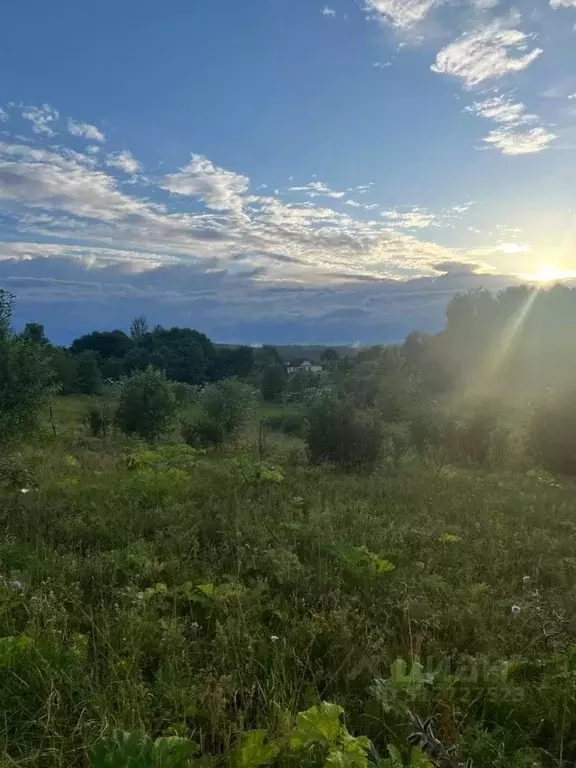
548,273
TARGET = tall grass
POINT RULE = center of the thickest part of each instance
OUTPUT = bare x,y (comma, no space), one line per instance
169,591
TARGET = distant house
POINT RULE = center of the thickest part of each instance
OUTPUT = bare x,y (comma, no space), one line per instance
302,365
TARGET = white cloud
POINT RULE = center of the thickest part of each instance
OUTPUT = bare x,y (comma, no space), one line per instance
42,119
362,189
3,116
484,54
64,181
512,138
85,130
318,189
219,189
402,14
59,195
326,11
563,3
382,64
415,218
519,142
62,194
123,160
502,109
93,149
483,5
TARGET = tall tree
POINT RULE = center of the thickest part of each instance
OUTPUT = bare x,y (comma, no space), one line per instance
35,332
138,328
25,377
105,343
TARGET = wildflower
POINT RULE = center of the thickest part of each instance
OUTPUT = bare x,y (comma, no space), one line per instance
194,626
274,638
526,579
24,490
516,609
16,586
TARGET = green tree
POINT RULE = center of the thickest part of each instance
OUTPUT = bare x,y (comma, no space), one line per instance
105,343
138,328
225,409
273,383
87,375
330,355
339,433
25,378
147,405
35,332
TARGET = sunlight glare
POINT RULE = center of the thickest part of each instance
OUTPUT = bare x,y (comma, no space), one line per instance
548,273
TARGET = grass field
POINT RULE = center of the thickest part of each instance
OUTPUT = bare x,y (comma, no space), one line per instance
167,592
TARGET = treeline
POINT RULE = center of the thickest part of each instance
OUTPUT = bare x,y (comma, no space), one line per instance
517,343
182,354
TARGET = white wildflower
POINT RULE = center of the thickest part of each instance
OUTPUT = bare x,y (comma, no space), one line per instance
24,490
526,579
516,609
274,638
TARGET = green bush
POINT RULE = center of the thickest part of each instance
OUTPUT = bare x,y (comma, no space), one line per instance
225,409
273,382
147,405
25,378
339,433
475,435
185,394
87,378
552,433
203,432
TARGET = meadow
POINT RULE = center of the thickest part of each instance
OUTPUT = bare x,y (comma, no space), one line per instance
165,605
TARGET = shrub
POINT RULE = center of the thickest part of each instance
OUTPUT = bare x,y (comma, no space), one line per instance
225,408
476,435
273,383
552,434
185,394
147,405
25,378
203,432
87,375
338,433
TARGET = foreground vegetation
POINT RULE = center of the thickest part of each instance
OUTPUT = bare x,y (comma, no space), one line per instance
374,574
169,592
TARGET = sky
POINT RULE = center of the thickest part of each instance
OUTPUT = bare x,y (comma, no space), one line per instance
282,171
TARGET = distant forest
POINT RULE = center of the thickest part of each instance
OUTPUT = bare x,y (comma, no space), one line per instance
515,343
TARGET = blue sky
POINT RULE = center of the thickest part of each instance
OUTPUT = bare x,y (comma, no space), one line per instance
282,170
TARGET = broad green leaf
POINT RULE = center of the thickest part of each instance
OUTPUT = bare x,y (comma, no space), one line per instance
418,759
173,751
337,757
395,756
253,752
398,671
317,724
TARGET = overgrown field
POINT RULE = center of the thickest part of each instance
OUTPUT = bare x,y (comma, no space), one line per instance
169,592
